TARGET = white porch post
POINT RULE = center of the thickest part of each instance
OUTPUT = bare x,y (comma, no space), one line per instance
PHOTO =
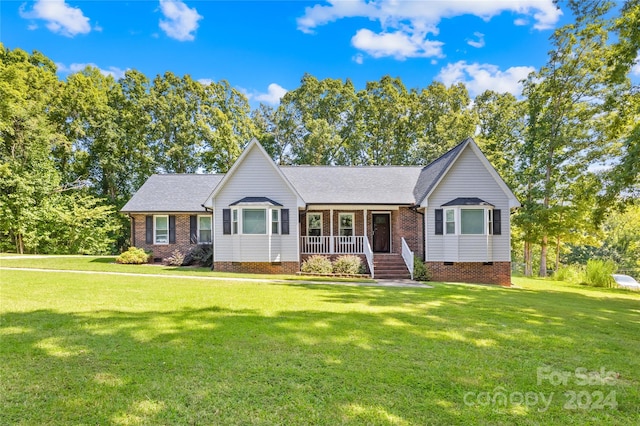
331,231
365,225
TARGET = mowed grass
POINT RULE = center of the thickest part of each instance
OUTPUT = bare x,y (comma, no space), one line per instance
108,264
104,349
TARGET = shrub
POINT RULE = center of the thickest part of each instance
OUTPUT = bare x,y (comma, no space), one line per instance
201,254
420,270
570,274
176,258
348,264
134,256
598,273
317,264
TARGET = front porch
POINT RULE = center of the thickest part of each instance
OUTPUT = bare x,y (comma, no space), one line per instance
381,235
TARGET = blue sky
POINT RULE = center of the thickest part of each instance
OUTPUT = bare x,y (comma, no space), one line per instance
264,47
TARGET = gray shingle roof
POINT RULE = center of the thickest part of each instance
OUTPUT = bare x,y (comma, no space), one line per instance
354,185
473,201
257,200
173,193
432,173
393,185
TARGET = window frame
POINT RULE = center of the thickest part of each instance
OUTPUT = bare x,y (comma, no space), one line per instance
244,222
483,221
199,229
234,222
155,229
447,221
319,214
340,228
275,222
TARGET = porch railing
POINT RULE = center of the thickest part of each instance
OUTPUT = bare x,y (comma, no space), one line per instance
407,255
368,253
333,245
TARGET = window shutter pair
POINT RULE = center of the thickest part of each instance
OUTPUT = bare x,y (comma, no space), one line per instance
226,221
149,229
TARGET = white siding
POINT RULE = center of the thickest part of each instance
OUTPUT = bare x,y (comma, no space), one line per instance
468,178
255,177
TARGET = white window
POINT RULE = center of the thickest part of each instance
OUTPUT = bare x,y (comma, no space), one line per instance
275,221
450,221
254,221
204,229
345,221
234,222
314,224
161,229
472,221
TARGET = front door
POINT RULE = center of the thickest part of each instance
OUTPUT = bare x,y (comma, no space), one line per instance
381,232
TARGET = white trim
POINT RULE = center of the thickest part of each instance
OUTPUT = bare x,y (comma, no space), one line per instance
353,224
155,239
457,217
373,222
355,207
210,217
321,222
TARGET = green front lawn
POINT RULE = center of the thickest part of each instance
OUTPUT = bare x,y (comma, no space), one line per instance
107,264
104,349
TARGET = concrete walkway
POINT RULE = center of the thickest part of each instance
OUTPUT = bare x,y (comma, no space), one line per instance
377,283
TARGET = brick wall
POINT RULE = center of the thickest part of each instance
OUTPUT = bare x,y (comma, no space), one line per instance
471,272
162,251
258,267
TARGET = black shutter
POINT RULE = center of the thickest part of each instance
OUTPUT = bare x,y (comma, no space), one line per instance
284,215
193,229
226,221
439,222
149,230
497,222
172,229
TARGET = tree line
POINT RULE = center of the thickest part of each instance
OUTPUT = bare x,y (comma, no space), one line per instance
73,151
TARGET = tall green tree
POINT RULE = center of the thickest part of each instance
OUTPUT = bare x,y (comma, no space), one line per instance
28,89
564,101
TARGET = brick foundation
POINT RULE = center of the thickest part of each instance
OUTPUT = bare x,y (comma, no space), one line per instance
472,272
258,267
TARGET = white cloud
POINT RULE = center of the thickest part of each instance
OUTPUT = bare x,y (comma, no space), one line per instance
477,43
358,58
398,44
114,72
181,21
520,22
405,25
275,92
481,77
205,81
59,16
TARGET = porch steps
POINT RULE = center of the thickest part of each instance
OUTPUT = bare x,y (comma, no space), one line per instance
390,266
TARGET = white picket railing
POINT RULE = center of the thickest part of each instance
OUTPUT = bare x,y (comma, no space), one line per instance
407,255
341,245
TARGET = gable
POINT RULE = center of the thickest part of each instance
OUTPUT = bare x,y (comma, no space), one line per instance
254,175
468,174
